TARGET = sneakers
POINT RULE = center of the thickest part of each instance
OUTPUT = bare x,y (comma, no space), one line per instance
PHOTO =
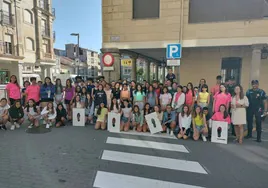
12,127
168,133
47,126
30,126
17,125
171,133
3,127
204,138
134,128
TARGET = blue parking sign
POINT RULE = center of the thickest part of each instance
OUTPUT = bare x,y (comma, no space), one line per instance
173,51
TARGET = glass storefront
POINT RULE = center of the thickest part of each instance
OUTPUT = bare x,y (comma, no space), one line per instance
4,76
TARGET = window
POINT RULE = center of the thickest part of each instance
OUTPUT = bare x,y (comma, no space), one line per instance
6,13
8,44
231,67
227,10
44,27
146,9
28,16
46,46
29,44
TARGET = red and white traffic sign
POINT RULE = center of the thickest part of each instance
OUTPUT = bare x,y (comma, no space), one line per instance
108,59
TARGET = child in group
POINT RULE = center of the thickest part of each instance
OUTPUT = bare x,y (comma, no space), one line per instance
185,121
61,117
146,111
89,108
199,124
165,98
139,96
23,92
33,113
58,91
49,114
222,115
115,107
83,95
169,120
208,120
126,111
159,113
16,115
203,99
102,113
137,120
3,113
77,102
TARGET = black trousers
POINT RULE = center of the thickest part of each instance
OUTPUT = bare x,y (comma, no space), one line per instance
251,113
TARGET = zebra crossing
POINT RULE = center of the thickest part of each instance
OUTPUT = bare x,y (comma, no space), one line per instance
105,179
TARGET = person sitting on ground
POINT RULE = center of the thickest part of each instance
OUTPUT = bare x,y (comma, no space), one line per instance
137,120
61,117
3,113
49,114
102,113
169,120
126,110
16,115
199,124
185,121
33,113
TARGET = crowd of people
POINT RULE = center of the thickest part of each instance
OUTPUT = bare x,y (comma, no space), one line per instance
185,111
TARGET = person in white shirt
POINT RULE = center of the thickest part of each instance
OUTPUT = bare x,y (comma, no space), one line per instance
178,100
3,113
185,120
33,113
49,114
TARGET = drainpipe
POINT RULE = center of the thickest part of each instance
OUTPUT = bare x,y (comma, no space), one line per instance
17,32
181,31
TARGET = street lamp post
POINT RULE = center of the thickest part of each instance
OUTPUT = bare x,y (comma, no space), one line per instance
77,49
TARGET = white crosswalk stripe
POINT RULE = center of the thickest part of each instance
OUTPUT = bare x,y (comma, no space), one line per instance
118,180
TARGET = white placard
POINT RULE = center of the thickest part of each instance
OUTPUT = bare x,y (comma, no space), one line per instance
153,123
219,132
79,117
173,62
113,122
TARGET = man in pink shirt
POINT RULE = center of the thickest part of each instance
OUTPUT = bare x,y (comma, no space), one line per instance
215,89
33,91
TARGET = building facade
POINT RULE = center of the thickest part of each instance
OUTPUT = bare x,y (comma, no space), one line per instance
26,39
227,38
89,61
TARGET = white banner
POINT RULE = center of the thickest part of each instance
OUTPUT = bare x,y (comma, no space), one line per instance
219,132
79,117
153,123
113,122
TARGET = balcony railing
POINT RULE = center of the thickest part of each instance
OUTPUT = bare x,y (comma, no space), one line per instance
43,4
7,18
54,36
47,55
8,49
45,32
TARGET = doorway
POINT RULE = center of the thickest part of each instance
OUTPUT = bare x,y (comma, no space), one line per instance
231,67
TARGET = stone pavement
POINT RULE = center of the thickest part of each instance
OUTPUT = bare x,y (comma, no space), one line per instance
80,156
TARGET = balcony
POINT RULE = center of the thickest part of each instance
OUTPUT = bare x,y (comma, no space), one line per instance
46,7
7,18
54,36
47,55
9,50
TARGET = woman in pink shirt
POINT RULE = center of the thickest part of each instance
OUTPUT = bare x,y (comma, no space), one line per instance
33,92
222,115
190,96
222,97
13,90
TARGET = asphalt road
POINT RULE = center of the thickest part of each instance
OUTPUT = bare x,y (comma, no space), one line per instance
80,157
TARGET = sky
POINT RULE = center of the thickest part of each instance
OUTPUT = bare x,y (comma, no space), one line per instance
78,16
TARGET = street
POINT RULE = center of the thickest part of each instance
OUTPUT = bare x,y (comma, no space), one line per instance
82,157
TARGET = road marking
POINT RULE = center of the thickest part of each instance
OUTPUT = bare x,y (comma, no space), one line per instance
159,135
112,180
147,144
147,160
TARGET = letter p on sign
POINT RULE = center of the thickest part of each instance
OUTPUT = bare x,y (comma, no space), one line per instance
173,51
